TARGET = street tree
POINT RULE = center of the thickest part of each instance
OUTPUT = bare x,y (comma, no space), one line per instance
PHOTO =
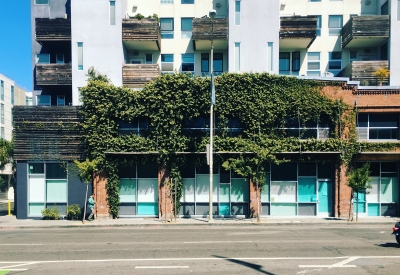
357,180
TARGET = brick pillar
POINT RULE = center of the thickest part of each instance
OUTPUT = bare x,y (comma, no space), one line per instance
254,200
100,195
342,192
165,203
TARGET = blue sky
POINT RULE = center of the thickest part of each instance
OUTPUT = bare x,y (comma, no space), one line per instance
15,42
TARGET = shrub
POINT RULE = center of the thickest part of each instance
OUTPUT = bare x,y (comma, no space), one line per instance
51,213
74,212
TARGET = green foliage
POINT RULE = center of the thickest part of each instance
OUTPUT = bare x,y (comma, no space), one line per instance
260,102
86,169
51,213
6,152
74,212
358,179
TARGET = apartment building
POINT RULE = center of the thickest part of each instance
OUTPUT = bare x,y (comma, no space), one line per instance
135,41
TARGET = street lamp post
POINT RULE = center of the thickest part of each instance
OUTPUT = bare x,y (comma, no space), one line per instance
212,15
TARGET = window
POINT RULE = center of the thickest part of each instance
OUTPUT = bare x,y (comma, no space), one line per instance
12,95
398,10
237,57
353,56
186,27
218,63
284,63
2,133
237,12
187,1
166,1
43,58
295,63
139,126
80,56
319,25
149,58
2,113
313,64
335,62
42,2
1,89
335,24
59,58
188,63
270,54
47,187
112,12
43,100
314,0
167,63
167,28
60,100
377,126
205,64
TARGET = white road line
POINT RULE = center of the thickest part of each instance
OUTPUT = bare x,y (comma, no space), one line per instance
206,242
20,264
163,267
16,244
339,264
14,269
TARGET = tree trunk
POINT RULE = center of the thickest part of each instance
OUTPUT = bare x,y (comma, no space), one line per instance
357,208
258,205
84,206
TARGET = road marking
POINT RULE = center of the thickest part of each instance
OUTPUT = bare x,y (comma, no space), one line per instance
8,269
219,242
163,267
339,264
19,264
16,244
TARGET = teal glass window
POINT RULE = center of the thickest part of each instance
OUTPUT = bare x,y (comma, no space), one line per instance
240,190
56,191
127,190
307,190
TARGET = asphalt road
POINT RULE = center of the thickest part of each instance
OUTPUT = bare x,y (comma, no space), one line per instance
165,249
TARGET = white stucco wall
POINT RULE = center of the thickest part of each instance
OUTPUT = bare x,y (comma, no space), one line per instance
102,42
394,44
259,24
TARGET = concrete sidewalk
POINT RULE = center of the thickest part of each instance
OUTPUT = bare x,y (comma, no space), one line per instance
11,222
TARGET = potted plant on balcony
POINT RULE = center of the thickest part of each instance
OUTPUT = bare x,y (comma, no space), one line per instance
382,74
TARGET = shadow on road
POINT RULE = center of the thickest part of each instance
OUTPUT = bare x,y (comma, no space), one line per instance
246,264
389,245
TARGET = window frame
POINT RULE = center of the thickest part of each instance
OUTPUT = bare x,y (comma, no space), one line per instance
188,55
80,56
364,131
333,60
112,12
166,63
1,89
168,33
2,119
310,72
186,33
336,30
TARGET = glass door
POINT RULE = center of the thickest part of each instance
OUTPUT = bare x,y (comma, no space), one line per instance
324,198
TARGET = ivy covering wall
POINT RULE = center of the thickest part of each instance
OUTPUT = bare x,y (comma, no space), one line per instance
260,104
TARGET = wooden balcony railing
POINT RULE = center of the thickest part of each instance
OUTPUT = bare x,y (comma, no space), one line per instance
58,29
301,30
143,33
363,71
365,31
137,75
53,74
205,29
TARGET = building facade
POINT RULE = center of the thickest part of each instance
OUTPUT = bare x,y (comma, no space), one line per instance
134,41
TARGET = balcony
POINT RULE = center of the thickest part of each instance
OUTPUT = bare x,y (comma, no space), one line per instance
365,31
297,32
58,29
137,75
363,71
203,32
53,74
141,34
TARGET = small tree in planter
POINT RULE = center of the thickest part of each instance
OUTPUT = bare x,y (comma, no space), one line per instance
85,172
382,74
357,180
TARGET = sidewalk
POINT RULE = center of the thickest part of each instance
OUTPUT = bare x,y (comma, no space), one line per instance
11,222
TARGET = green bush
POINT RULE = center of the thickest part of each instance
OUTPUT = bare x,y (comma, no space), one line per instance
51,213
74,212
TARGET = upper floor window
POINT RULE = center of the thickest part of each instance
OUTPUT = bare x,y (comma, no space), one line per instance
60,58
284,63
167,63
319,24
186,27
43,58
2,113
237,57
188,63
398,10
314,0
187,1
353,56
294,127
12,95
149,58
335,24
80,56
112,12
237,12
166,1
335,62
167,28
43,100
314,63
1,89
60,100
2,133
42,2
377,126
139,126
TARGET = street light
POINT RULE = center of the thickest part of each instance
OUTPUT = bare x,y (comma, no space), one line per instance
212,15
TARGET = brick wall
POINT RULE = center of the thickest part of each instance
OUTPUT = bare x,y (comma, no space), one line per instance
165,203
254,200
100,196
